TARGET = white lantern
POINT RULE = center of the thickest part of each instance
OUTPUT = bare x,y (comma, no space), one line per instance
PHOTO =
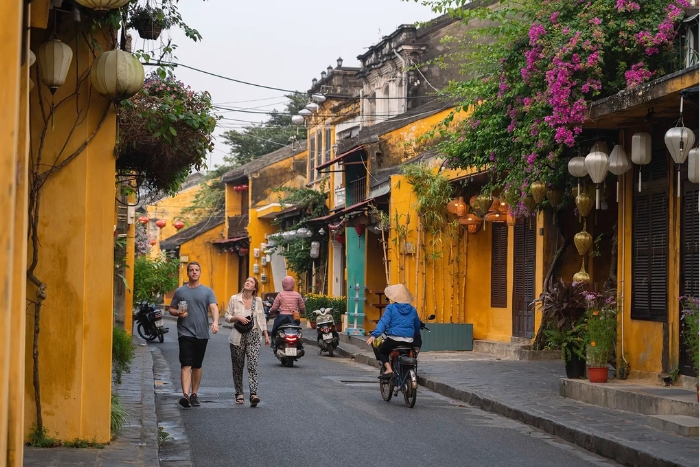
101,5
312,106
619,164
597,164
297,120
577,168
679,140
32,58
318,98
600,146
694,165
117,75
305,112
641,151
315,249
301,233
54,60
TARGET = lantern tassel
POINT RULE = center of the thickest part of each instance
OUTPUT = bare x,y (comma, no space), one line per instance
617,192
678,190
597,197
640,180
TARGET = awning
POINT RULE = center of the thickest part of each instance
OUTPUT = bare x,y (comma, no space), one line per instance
227,241
283,213
347,210
340,157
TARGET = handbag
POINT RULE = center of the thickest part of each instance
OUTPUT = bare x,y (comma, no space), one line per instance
245,328
296,316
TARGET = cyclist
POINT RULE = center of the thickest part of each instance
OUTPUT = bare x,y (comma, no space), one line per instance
400,323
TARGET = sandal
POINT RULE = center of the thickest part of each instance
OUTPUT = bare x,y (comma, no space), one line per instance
240,399
254,400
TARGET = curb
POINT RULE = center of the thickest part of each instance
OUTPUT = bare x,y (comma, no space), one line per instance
614,449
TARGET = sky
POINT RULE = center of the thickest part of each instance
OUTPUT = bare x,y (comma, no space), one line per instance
277,43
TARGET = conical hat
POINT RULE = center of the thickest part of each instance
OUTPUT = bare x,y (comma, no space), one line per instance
398,293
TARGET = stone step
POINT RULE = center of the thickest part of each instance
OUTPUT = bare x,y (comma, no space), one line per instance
514,350
632,397
681,424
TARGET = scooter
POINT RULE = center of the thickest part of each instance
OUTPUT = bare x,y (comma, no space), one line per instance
327,336
150,322
288,344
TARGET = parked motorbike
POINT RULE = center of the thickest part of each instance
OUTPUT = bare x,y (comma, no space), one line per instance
404,378
288,344
327,336
150,322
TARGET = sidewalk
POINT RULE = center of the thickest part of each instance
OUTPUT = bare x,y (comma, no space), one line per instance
528,391
136,444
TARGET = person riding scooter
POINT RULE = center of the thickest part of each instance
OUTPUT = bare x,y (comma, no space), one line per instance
289,304
400,323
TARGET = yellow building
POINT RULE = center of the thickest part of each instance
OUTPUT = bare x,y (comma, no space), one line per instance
71,256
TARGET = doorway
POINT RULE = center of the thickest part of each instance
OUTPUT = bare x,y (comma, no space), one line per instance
524,278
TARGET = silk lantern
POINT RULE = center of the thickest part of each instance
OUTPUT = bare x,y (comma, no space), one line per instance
54,60
600,146
538,190
641,152
117,75
577,168
178,225
597,164
619,164
679,140
143,220
102,5
160,223
694,165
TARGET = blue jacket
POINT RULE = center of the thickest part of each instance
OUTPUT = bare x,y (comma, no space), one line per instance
400,320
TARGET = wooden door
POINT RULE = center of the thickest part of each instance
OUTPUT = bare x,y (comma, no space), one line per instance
524,278
689,281
242,271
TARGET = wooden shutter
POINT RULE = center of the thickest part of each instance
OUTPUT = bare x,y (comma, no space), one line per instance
328,143
312,158
690,237
650,241
319,149
499,265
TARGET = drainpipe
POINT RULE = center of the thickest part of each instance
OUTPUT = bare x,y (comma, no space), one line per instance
362,106
404,77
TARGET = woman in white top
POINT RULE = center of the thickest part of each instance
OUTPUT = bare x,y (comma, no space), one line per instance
241,309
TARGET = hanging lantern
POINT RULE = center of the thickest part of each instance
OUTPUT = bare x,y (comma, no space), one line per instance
597,164
462,207
584,203
297,120
641,152
101,5
474,205
510,219
554,196
538,189
452,206
530,204
117,75
472,221
160,223
301,233
619,164
152,242
600,146
583,241
694,165
679,140
577,167
54,60
484,202
582,275
244,187
143,220
495,216
178,225
312,106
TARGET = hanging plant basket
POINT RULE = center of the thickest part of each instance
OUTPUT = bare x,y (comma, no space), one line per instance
149,31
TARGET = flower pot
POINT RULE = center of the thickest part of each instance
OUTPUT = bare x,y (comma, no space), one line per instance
575,367
598,374
149,31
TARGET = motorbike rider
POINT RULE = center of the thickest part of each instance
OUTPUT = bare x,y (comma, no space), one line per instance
289,303
400,323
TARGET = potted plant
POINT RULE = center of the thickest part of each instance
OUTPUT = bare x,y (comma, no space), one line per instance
570,339
601,333
149,21
690,328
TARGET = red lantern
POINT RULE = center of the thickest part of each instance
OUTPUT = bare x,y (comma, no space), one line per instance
143,220
160,223
360,229
340,238
244,187
243,251
178,225
152,242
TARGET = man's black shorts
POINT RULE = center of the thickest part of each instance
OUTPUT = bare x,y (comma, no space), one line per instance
192,351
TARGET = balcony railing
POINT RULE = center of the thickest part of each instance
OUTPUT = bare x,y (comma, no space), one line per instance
237,226
357,191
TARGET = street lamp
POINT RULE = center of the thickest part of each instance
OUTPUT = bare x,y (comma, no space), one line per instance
323,75
340,62
313,82
329,69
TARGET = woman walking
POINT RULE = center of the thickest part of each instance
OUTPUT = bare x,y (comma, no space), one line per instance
245,311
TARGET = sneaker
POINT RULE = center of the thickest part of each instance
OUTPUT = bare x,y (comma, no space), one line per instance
185,401
194,400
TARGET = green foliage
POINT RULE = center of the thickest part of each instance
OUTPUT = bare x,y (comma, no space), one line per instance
153,278
569,338
690,321
316,301
257,140
600,327
39,438
209,200
434,191
118,415
122,353
145,15
83,444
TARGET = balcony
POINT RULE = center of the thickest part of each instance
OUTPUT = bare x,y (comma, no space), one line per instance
357,191
237,226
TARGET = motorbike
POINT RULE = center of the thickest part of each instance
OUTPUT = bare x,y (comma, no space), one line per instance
327,336
404,378
288,344
150,322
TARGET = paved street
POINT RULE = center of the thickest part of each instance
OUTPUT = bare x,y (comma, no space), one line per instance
329,411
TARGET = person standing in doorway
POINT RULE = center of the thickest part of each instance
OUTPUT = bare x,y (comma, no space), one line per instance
191,304
245,310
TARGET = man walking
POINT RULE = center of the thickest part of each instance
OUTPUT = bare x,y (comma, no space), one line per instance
190,304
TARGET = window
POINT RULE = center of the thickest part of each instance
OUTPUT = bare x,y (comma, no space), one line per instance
328,143
499,265
690,237
319,149
650,241
312,158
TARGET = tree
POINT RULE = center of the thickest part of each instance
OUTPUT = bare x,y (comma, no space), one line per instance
209,200
255,141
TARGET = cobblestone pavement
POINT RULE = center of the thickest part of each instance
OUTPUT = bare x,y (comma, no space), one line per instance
528,391
137,444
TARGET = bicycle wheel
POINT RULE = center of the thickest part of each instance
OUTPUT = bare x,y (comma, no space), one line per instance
142,332
409,394
386,387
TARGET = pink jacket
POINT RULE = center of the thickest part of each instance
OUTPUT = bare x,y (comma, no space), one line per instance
288,300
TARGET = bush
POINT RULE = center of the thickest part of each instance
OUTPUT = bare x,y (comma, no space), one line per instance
118,415
153,278
122,353
690,322
316,301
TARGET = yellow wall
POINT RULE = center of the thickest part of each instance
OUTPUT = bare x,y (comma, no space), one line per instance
169,210
257,230
76,262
